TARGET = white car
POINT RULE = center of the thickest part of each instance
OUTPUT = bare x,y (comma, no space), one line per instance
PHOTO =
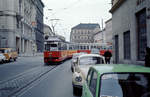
84,62
74,60
2,58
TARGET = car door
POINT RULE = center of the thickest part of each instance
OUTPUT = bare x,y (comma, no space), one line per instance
91,84
86,91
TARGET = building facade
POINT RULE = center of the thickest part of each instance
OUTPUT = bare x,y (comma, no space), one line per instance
18,24
99,37
84,33
39,30
105,35
108,31
131,30
47,31
9,26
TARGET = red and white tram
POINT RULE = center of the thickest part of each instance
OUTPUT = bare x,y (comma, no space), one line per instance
57,50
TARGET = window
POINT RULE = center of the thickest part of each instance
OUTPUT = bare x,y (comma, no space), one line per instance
93,83
89,76
116,48
141,34
125,85
127,52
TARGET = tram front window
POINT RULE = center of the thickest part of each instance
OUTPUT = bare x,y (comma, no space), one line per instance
51,47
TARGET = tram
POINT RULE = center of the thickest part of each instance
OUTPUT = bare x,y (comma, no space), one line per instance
58,50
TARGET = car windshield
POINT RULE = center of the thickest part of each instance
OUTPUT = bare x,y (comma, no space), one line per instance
125,85
90,60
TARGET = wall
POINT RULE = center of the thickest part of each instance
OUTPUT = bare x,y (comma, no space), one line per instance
124,19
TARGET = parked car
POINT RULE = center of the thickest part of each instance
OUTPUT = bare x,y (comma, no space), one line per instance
2,58
117,81
74,60
81,68
9,53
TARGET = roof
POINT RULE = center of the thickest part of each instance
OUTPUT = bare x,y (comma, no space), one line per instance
94,55
54,39
106,68
116,6
86,26
108,20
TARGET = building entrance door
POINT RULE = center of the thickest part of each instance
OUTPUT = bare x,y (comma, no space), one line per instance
116,49
141,34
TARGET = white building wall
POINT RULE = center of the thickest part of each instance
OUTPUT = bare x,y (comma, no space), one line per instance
124,19
108,31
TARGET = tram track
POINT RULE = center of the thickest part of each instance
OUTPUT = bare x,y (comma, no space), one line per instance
10,87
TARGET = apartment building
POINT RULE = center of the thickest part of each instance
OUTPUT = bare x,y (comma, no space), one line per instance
19,24
84,32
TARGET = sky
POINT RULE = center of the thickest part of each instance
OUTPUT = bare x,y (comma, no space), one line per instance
65,14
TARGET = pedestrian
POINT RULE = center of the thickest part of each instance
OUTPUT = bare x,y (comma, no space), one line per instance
107,56
147,57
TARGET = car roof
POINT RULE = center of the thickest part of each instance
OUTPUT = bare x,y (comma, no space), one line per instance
108,68
94,55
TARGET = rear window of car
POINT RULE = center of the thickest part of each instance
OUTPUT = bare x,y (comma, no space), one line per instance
90,60
125,85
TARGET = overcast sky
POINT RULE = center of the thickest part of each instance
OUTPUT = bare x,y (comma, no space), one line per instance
72,12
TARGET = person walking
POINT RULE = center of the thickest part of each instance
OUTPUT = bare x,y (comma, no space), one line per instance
147,57
107,56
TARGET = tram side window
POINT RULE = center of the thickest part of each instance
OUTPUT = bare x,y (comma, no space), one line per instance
47,47
59,46
87,47
64,47
84,47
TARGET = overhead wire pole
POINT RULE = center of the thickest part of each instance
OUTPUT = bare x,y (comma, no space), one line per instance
54,25
56,12
52,20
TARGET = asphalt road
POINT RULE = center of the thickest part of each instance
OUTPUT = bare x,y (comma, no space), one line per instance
11,69
56,83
